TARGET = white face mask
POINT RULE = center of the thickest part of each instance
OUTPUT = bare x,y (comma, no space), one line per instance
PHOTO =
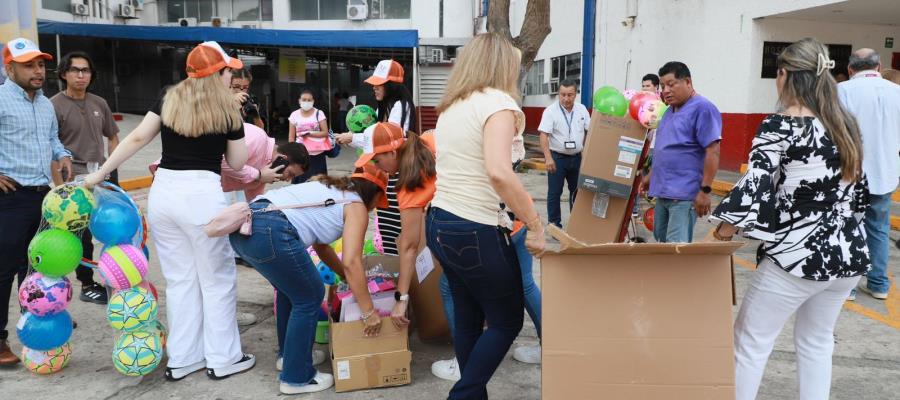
306,105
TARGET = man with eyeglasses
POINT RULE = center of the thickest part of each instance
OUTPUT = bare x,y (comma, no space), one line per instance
84,120
28,143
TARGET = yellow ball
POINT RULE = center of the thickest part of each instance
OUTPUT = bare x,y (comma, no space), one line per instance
68,207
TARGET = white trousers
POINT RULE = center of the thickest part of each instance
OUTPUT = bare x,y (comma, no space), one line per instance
773,296
201,277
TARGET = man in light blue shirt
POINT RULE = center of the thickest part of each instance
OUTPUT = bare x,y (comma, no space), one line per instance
875,102
29,141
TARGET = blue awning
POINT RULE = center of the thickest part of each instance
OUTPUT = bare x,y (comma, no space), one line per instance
239,36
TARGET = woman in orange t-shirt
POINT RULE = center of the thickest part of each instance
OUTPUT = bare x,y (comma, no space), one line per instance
413,158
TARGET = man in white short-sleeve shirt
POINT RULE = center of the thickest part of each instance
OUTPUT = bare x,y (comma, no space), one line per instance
563,127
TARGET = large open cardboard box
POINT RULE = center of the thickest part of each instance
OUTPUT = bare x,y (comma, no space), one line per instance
609,170
637,321
360,362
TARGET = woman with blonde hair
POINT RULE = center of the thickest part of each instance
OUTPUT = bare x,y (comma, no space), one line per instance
199,120
466,229
803,197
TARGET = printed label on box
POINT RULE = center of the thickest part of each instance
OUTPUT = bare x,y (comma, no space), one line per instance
627,157
623,172
343,369
631,144
424,264
600,205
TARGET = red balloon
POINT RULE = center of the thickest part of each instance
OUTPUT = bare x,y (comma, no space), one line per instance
648,219
634,106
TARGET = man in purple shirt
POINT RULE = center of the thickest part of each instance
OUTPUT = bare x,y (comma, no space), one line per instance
685,159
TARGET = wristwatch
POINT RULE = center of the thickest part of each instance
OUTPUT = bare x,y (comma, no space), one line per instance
401,297
706,189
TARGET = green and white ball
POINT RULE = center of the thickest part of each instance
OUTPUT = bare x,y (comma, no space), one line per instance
132,309
137,353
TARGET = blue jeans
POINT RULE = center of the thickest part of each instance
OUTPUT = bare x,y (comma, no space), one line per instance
532,292
486,284
566,173
878,226
276,252
673,221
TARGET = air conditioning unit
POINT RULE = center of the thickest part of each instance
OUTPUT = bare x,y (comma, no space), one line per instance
249,26
191,21
79,8
219,21
126,11
554,86
357,10
137,4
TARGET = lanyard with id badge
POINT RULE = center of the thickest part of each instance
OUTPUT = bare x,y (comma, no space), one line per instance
568,144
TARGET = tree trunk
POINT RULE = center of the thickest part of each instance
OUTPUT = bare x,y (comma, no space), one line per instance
535,28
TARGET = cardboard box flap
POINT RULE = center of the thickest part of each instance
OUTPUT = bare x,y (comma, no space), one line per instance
572,246
354,343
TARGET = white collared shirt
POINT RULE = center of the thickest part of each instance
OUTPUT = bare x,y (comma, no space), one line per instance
875,102
563,126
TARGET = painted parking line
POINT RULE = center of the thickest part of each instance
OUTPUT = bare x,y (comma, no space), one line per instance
890,318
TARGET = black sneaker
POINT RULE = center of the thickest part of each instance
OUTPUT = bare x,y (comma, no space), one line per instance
246,363
93,293
177,374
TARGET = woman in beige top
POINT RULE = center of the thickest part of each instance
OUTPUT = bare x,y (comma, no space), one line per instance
465,227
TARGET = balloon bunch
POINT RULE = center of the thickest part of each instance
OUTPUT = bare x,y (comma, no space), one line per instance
645,107
133,307
45,327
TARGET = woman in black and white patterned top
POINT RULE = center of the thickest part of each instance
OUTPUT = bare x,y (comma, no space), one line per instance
804,197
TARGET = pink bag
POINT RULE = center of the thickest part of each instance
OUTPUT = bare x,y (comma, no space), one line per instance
239,218
316,146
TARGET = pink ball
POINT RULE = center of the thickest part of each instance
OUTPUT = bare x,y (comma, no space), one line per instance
42,296
122,266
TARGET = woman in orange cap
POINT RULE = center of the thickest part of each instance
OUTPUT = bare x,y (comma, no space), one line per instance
199,120
333,208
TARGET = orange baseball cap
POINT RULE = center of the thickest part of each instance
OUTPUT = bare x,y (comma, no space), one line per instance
379,138
372,174
22,50
208,58
386,71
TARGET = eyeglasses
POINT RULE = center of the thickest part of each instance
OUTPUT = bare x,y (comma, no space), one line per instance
76,70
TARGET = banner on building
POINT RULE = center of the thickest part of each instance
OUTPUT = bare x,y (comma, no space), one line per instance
292,65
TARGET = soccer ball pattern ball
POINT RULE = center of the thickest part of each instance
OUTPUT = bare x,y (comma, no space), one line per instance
131,309
137,353
46,362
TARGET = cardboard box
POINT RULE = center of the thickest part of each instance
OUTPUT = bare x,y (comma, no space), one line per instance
609,166
637,321
360,362
426,305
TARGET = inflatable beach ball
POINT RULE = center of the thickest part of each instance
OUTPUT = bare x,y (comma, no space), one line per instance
54,252
46,362
68,207
137,353
44,333
361,117
131,309
42,296
122,266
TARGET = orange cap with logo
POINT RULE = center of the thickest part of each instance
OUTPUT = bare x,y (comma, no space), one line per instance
386,71
380,138
372,174
208,58
22,50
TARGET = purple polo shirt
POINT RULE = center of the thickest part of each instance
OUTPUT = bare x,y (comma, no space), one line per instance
681,141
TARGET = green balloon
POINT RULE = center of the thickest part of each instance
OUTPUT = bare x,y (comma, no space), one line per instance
54,252
361,117
608,101
369,248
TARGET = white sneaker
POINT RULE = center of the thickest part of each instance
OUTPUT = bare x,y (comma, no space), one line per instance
864,286
244,319
446,369
177,374
244,364
318,358
528,354
321,382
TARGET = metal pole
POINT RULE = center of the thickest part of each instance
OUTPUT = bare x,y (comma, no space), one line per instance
329,96
59,82
115,76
